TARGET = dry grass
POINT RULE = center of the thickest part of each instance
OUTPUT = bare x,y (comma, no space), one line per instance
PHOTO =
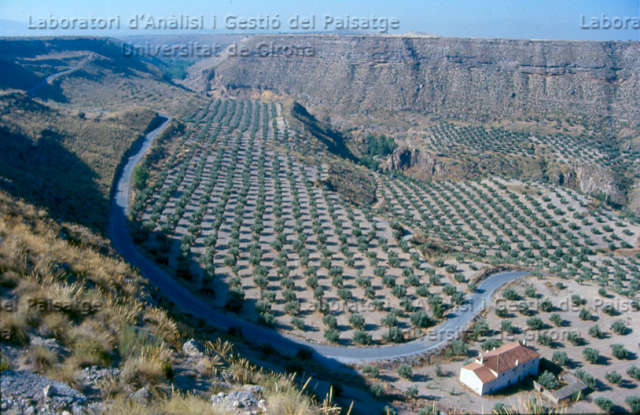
86,300
67,372
285,397
176,404
40,358
529,404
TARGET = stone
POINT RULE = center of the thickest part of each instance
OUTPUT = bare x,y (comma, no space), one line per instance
141,395
48,391
244,399
77,409
221,385
255,389
193,348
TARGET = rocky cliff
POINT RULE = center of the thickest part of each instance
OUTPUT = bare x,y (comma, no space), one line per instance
423,164
469,78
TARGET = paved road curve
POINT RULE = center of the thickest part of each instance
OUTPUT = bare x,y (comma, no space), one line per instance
49,79
185,300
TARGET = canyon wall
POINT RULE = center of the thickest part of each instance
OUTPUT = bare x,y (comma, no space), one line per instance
471,78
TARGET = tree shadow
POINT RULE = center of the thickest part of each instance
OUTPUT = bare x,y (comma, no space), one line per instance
627,384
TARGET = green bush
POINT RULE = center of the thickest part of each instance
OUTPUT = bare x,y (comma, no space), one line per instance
591,355
548,380
362,337
560,358
405,371
371,370
459,348
595,332
584,314
139,177
490,344
331,335
619,327
535,323
506,327
510,294
634,404
377,390
613,377
605,404
501,312
544,339
546,305
619,352
634,372
411,392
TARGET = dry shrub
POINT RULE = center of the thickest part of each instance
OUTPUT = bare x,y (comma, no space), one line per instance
223,349
110,387
142,371
161,324
190,404
241,371
39,358
8,279
147,367
286,399
68,372
176,404
89,351
209,365
56,325
13,328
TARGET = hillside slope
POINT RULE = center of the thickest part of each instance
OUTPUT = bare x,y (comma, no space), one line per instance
107,77
64,160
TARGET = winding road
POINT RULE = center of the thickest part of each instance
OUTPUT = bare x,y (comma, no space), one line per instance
50,78
332,356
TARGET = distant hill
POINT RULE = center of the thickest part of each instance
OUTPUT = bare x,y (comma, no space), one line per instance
107,76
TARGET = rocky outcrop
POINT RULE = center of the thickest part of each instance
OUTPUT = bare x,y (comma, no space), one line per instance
634,199
593,180
422,164
588,178
469,78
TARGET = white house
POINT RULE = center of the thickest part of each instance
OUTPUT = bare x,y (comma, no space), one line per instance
500,367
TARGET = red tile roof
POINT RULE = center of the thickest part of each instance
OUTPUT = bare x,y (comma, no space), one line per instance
484,374
504,358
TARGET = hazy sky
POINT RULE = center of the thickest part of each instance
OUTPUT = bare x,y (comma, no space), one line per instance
541,19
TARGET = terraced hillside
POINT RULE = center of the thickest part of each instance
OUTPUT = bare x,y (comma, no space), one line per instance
241,209
256,218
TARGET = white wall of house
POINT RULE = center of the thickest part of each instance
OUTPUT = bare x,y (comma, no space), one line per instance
517,374
471,380
504,379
